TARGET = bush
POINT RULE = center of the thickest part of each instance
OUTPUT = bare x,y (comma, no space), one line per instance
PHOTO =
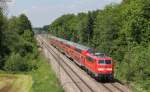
17,63
135,67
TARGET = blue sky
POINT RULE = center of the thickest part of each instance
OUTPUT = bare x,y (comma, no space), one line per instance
43,12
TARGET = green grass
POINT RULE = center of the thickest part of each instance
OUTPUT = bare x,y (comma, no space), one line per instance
15,83
44,79
142,86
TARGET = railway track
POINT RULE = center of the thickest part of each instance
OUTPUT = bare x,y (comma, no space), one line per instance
112,88
83,84
70,72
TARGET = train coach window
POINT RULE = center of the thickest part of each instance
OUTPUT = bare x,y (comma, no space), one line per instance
90,59
91,51
67,45
78,50
82,57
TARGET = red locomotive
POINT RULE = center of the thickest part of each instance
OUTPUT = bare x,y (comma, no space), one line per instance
97,65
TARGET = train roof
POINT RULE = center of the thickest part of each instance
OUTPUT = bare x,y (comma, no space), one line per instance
79,46
82,47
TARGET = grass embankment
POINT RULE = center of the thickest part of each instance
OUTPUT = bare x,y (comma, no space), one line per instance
42,79
15,83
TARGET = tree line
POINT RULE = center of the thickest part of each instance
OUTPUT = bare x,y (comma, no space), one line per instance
122,31
17,44
19,54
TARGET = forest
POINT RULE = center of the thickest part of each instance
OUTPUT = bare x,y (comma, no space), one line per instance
122,31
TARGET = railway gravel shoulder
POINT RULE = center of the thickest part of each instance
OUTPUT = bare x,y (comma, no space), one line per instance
64,79
83,87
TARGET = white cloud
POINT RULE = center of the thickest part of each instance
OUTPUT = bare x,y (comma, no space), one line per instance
25,11
34,7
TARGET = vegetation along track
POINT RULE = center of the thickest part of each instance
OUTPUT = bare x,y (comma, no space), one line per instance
78,81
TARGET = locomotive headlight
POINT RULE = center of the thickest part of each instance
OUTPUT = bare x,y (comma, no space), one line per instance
109,69
102,69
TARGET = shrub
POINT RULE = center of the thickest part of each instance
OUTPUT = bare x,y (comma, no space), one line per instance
17,63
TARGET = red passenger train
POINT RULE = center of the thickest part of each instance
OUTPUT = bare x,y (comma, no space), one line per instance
96,64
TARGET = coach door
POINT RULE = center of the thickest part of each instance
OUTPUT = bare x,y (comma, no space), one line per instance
90,63
82,60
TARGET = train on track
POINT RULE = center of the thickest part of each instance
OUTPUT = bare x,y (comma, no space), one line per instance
96,64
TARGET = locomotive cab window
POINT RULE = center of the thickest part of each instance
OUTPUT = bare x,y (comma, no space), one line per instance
105,62
101,62
108,61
